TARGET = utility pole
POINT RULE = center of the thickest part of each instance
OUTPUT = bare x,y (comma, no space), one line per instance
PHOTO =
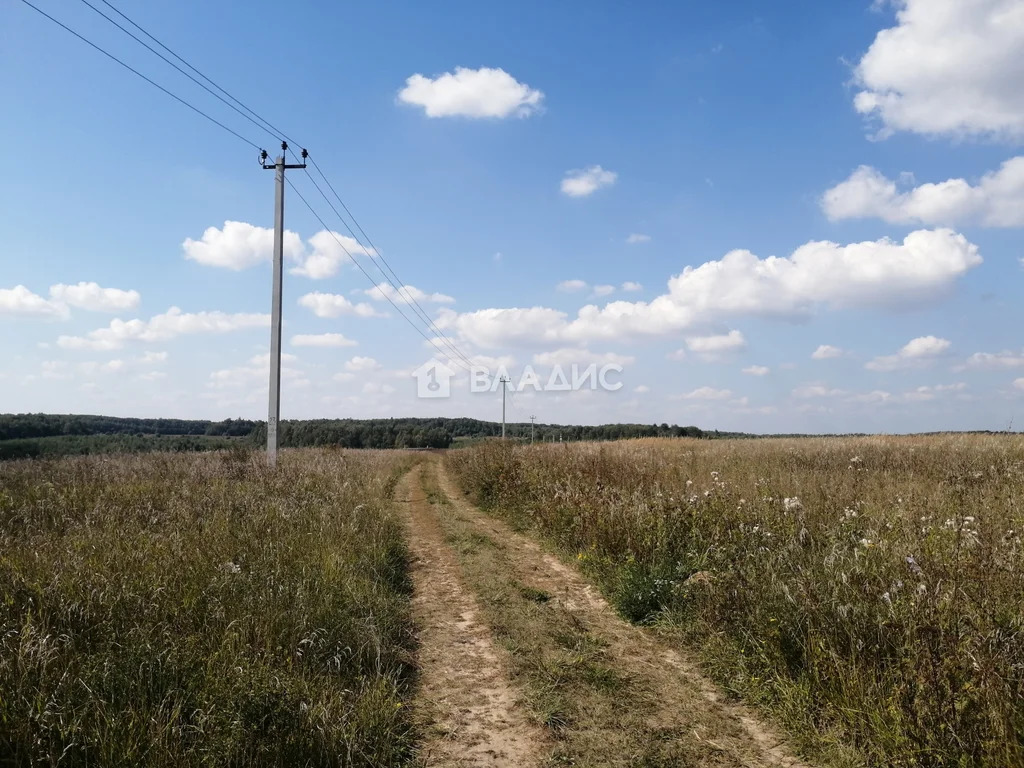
504,382
532,420
274,414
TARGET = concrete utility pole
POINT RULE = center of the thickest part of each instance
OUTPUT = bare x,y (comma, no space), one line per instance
504,385
532,420
274,415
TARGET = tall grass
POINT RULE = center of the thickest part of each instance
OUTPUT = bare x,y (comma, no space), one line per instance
173,610
867,590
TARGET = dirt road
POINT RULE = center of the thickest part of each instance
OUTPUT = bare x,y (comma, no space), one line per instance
523,663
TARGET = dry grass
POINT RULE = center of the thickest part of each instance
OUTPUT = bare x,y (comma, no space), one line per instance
867,591
172,610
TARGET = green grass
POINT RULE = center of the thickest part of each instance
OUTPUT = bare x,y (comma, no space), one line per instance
866,591
199,610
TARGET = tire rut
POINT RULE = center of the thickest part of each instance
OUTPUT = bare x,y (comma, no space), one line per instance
467,708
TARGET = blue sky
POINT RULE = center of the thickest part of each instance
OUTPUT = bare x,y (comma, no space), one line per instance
494,154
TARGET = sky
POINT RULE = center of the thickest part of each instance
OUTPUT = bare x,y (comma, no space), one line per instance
784,217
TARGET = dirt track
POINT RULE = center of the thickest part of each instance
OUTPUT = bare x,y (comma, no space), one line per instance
475,708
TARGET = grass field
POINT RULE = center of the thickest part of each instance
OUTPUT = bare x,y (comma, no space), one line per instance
173,610
866,591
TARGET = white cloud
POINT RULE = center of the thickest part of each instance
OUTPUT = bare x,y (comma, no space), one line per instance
92,297
1018,383
642,389
474,93
996,360
631,287
827,352
19,300
809,391
152,358
408,293
377,388
358,363
706,393
335,305
255,374
913,354
757,370
92,367
878,273
997,200
328,250
948,67
638,238
603,290
932,392
571,286
239,245
569,356
678,355
710,345
586,181
322,340
170,324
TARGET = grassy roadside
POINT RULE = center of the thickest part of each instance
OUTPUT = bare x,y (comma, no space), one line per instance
865,591
598,714
173,610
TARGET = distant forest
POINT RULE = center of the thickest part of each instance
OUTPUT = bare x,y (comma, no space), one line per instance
39,434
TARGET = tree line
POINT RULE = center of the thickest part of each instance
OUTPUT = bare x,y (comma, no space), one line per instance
41,434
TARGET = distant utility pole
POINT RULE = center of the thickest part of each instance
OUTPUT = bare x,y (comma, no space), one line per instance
532,420
504,382
279,166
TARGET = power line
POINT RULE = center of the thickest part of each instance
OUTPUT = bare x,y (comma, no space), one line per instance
367,274
452,349
376,250
263,125
136,72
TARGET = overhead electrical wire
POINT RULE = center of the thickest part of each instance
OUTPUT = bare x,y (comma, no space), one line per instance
136,72
341,245
261,122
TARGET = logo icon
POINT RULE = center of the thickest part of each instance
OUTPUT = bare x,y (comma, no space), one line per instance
433,379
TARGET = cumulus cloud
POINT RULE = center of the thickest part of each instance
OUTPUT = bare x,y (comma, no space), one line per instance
406,294
153,358
636,237
827,352
162,327
914,353
19,300
322,340
706,393
327,251
239,245
603,290
996,360
92,297
997,200
948,67
358,364
820,274
812,391
335,305
710,345
473,93
255,374
579,356
631,287
586,181
757,370
571,286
